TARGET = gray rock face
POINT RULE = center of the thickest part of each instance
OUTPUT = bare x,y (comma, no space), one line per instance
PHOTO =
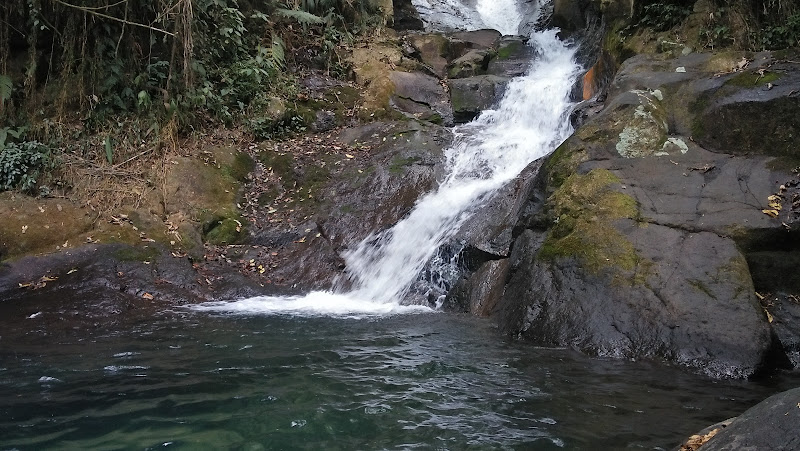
470,96
637,241
405,166
421,97
771,424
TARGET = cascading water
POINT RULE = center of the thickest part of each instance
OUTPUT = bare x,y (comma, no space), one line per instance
530,121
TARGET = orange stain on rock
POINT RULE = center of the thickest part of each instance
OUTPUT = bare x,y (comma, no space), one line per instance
588,84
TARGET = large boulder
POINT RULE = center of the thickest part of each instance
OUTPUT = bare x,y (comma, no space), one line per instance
638,241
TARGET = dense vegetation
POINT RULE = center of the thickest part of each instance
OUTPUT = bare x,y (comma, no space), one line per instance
743,24
143,71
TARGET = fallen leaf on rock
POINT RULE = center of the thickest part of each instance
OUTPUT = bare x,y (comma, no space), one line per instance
696,441
770,213
148,296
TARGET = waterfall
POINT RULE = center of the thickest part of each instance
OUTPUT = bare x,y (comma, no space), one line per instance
530,121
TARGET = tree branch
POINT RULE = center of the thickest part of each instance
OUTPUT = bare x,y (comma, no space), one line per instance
106,16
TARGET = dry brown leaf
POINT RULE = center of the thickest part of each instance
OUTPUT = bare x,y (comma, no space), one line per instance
148,296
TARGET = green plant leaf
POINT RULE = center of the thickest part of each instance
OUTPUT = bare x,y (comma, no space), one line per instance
109,150
302,17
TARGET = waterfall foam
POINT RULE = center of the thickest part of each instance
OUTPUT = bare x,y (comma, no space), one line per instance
530,121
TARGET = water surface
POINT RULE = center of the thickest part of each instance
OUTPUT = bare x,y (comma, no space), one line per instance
188,380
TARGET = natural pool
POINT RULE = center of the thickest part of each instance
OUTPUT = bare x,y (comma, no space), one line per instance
178,379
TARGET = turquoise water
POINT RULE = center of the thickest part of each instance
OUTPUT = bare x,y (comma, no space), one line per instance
186,380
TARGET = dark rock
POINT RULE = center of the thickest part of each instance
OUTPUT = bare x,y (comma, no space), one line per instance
480,291
470,96
422,97
785,317
513,58
324,121
490,227
407,162
405,16
638,242
770,424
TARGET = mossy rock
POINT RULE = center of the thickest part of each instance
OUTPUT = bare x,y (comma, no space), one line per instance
222,231
30,225
137,254
583,211
751,79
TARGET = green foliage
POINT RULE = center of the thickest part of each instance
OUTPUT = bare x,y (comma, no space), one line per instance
662,16
781,35
302,17
21,163
716,36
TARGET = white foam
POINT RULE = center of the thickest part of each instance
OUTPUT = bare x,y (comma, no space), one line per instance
316,303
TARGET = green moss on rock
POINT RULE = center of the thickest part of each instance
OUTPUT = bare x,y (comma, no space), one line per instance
136,254
753,79
224,231
583,210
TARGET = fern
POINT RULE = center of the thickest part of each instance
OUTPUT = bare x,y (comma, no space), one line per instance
302,17
278,51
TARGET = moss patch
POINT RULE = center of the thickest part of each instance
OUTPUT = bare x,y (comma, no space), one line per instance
752,79
224,231
583,210
563,162
136,254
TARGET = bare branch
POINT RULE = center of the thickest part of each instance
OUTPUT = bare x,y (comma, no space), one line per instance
106,16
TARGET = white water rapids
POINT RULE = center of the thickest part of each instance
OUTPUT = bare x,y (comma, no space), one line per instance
530,121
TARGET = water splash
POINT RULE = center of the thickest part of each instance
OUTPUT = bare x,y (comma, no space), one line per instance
530,121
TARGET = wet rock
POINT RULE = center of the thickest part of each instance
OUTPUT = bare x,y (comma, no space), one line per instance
770,424
755,111
118,272
407,162
470,96
480,291
513,57
638,242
